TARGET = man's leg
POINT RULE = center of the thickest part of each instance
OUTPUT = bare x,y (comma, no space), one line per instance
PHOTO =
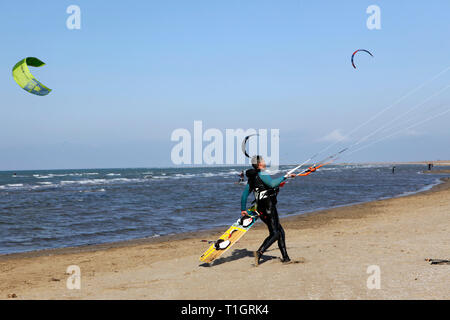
272,224
270,218
271,238
282,245
276,232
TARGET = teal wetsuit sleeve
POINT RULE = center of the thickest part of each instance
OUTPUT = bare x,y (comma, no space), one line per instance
268,181
244,197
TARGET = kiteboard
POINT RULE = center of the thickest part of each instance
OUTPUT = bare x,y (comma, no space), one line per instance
231,236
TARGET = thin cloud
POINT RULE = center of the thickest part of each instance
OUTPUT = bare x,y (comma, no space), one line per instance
334,136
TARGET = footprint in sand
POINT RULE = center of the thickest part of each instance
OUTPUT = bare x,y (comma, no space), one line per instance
295,261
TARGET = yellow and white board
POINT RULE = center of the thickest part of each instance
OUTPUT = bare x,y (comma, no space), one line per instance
230,237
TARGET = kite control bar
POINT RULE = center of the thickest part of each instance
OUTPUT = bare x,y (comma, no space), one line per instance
316,166
298,167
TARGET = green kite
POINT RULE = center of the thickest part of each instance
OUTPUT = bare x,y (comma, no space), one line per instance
26,80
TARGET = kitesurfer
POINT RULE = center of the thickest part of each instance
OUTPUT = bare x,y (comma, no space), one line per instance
241,176
265,190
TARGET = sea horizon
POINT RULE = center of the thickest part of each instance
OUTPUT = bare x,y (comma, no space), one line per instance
438,162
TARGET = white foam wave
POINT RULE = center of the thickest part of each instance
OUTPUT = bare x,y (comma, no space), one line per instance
60,175
100,181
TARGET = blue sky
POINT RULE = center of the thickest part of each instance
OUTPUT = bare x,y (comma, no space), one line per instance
137,70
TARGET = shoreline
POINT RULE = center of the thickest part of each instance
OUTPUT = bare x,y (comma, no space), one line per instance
333,248
191,234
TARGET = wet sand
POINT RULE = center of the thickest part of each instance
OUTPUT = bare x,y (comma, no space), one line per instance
333,250
436,171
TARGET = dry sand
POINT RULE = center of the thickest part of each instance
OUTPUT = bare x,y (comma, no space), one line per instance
334,249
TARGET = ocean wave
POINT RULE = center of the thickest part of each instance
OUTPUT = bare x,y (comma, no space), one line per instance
102,181
60,175
95,190
423,189
160,177
65,183
185,175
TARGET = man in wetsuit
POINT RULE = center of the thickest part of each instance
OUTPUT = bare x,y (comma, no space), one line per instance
265,189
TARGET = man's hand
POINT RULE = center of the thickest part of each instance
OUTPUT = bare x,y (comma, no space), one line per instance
243,213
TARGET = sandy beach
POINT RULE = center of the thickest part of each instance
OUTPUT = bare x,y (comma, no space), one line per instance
333,250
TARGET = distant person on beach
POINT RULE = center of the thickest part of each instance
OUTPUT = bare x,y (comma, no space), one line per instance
265,190
241,176
393,169
430,166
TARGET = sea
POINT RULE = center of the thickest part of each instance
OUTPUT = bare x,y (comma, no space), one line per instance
65,208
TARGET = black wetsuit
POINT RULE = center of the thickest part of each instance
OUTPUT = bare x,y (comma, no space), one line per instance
266,191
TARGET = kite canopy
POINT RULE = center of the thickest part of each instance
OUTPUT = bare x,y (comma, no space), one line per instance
353,55
244,143
26,80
